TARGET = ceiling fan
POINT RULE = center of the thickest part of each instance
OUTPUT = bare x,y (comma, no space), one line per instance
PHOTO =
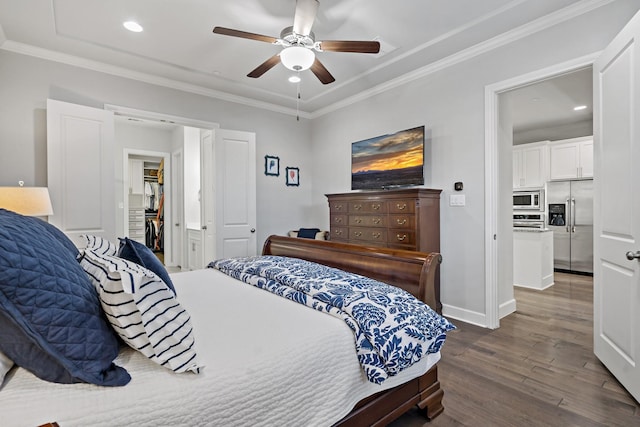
299,43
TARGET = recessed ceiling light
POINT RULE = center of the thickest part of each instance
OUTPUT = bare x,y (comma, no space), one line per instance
133,26
294,79
580,107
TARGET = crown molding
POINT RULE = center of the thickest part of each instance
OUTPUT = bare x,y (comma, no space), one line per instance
76,61
540,24
518,33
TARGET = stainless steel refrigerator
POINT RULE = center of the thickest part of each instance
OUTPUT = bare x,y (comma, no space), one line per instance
570,216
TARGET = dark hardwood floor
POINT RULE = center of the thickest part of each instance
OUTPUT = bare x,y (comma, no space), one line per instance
537,369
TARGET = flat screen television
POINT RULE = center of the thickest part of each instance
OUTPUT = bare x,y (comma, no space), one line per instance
388,161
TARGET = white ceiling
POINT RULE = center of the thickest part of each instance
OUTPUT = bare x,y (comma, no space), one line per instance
178,48
545,110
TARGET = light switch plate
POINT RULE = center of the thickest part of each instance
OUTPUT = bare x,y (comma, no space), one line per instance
457,200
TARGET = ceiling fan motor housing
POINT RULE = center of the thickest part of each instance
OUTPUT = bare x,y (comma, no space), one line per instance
290,38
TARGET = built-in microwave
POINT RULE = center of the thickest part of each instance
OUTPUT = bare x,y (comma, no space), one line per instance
532,200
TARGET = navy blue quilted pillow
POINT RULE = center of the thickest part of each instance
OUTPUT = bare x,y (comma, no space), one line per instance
58,235
140,254
51,321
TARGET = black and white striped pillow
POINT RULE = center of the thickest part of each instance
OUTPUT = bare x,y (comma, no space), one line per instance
143,311
100,245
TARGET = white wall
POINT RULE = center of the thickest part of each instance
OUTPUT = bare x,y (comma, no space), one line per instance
26,83
450,103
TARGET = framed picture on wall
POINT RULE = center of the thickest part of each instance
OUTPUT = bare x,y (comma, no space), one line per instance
293,176
271,165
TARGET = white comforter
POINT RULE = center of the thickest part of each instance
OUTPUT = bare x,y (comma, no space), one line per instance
268,362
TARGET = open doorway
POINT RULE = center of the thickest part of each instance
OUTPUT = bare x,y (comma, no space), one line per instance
552,123
499,139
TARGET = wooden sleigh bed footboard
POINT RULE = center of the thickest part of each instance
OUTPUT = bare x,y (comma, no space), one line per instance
411,271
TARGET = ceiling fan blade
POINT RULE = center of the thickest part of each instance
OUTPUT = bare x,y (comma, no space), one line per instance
265,66
321,72
350,46
305,15
244,34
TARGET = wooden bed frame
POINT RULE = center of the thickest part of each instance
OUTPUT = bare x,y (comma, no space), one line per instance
412,271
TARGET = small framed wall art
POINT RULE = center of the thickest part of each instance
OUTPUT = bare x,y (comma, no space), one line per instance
293,176
271,165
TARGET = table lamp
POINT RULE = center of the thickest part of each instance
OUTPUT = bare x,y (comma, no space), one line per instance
30,201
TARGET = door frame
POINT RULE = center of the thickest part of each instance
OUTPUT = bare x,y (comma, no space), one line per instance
492,237
126,153
120,110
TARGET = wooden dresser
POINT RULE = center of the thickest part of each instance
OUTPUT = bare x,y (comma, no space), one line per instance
401,219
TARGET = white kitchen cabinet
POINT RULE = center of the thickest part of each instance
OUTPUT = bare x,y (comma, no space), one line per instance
530,165
533,258
571,159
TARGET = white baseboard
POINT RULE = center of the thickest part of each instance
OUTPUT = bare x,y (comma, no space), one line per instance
467,316
507,308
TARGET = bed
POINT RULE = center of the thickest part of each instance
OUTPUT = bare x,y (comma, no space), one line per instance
262,359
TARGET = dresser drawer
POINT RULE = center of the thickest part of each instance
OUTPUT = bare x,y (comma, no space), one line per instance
402,206
378,235
402,237
367,206
402,221
339,233
368,221
339,220
338,207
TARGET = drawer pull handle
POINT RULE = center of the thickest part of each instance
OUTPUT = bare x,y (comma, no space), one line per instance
358,220
401,206
375,235
339,219
338,232
357,207
377,220
401,237
338,207
358,233
401,221
376,206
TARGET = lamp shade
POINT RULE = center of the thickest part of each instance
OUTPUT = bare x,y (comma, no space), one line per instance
31,201
297,58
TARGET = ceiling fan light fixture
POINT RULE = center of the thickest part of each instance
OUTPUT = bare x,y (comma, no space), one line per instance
297,58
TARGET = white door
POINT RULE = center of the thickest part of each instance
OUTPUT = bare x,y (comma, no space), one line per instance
80,167
207,198
177,209
617,207
235,154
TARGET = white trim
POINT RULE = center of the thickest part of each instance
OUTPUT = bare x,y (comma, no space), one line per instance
491,171
160,117
126,152
525,30
490,208
507,308
515,34
114,70
464,315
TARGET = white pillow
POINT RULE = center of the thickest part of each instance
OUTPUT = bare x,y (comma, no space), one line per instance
5,365
100,245
143,311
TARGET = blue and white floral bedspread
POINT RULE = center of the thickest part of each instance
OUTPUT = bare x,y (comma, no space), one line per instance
392,328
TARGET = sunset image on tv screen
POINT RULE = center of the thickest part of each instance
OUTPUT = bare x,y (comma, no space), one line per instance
388,160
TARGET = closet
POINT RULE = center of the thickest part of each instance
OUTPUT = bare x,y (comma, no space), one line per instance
146,201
